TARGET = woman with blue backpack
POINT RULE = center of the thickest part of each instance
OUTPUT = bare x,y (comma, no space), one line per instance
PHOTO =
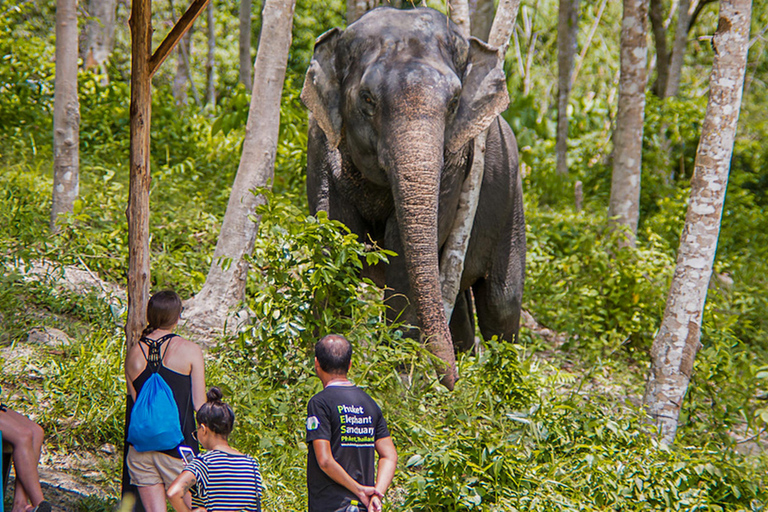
165,376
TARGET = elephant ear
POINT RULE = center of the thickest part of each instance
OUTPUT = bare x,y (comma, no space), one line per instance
484,94
320,93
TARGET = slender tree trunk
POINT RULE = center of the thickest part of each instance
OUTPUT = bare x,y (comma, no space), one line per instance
459,11
99,34
66,113
481,18
225,284
182,78
678,340
624,208
678,50
356,8
210,64
656,15
246,64
591,36
455,247
567,28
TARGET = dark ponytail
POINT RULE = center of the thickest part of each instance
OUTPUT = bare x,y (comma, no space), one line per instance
163,311
215,414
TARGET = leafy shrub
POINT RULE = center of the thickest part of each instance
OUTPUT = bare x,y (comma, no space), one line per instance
580,282
308,283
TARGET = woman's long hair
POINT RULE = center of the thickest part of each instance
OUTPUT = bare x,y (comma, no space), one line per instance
163,311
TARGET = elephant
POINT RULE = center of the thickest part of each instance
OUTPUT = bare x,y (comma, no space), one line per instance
395,102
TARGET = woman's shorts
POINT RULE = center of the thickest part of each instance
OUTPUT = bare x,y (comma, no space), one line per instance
151,468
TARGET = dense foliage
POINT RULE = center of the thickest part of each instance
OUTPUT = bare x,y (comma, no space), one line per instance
550,423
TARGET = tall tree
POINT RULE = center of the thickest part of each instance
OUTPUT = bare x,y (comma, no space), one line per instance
624,208
99,34
567,28
356,8
481,18
66,113
678,339
183,77
678,50
210,63
656,14
246,64
225,284
669,63
459,12
455,248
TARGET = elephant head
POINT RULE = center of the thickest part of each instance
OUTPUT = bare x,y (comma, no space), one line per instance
404,90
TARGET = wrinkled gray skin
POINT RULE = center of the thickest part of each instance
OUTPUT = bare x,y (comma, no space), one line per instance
396,101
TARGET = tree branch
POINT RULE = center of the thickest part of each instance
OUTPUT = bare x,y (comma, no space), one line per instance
176,33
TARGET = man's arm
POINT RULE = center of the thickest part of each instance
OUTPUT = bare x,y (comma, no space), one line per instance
338,474
386,469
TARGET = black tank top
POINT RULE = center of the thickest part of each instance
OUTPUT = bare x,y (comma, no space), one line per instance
180,384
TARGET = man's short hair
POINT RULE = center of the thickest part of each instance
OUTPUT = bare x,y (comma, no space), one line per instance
334,353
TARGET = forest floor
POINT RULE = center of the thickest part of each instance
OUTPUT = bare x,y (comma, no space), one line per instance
71,478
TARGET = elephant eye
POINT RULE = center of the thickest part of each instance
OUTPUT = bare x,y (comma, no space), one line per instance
368,102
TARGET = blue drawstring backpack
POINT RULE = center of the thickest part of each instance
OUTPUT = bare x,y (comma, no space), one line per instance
155,417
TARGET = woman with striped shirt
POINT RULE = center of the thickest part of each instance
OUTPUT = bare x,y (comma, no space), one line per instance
222,479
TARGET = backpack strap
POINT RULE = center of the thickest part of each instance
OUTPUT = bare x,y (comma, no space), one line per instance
153,356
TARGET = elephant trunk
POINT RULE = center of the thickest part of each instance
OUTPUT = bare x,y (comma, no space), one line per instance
414,158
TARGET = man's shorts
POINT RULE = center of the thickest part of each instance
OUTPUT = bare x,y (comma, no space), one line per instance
151,468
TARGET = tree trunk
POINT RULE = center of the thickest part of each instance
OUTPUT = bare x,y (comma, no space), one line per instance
210,64
246,64
459,11
66,113
590,37
660,39
99,34
183,76
678,50
567,28
455,247
624,209
225,284
481,18
677,341
356,8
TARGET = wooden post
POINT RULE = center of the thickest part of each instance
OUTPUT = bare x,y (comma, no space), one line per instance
138,193
144,64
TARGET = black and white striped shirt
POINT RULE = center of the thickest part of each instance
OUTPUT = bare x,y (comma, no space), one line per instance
226,482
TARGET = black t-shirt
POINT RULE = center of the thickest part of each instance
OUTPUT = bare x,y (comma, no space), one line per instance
352,422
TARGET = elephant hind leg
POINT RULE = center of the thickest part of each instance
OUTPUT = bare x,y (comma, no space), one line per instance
463,322
498,309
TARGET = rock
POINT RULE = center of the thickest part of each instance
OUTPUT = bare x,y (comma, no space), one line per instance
48,336
107,448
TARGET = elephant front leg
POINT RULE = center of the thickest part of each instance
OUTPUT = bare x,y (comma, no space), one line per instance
463,322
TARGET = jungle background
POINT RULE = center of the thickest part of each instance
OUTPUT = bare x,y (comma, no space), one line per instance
553,422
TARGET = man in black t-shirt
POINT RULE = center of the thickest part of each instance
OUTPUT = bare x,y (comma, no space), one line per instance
344,429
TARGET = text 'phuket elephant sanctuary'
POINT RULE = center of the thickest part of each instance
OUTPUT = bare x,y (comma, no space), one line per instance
396,101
